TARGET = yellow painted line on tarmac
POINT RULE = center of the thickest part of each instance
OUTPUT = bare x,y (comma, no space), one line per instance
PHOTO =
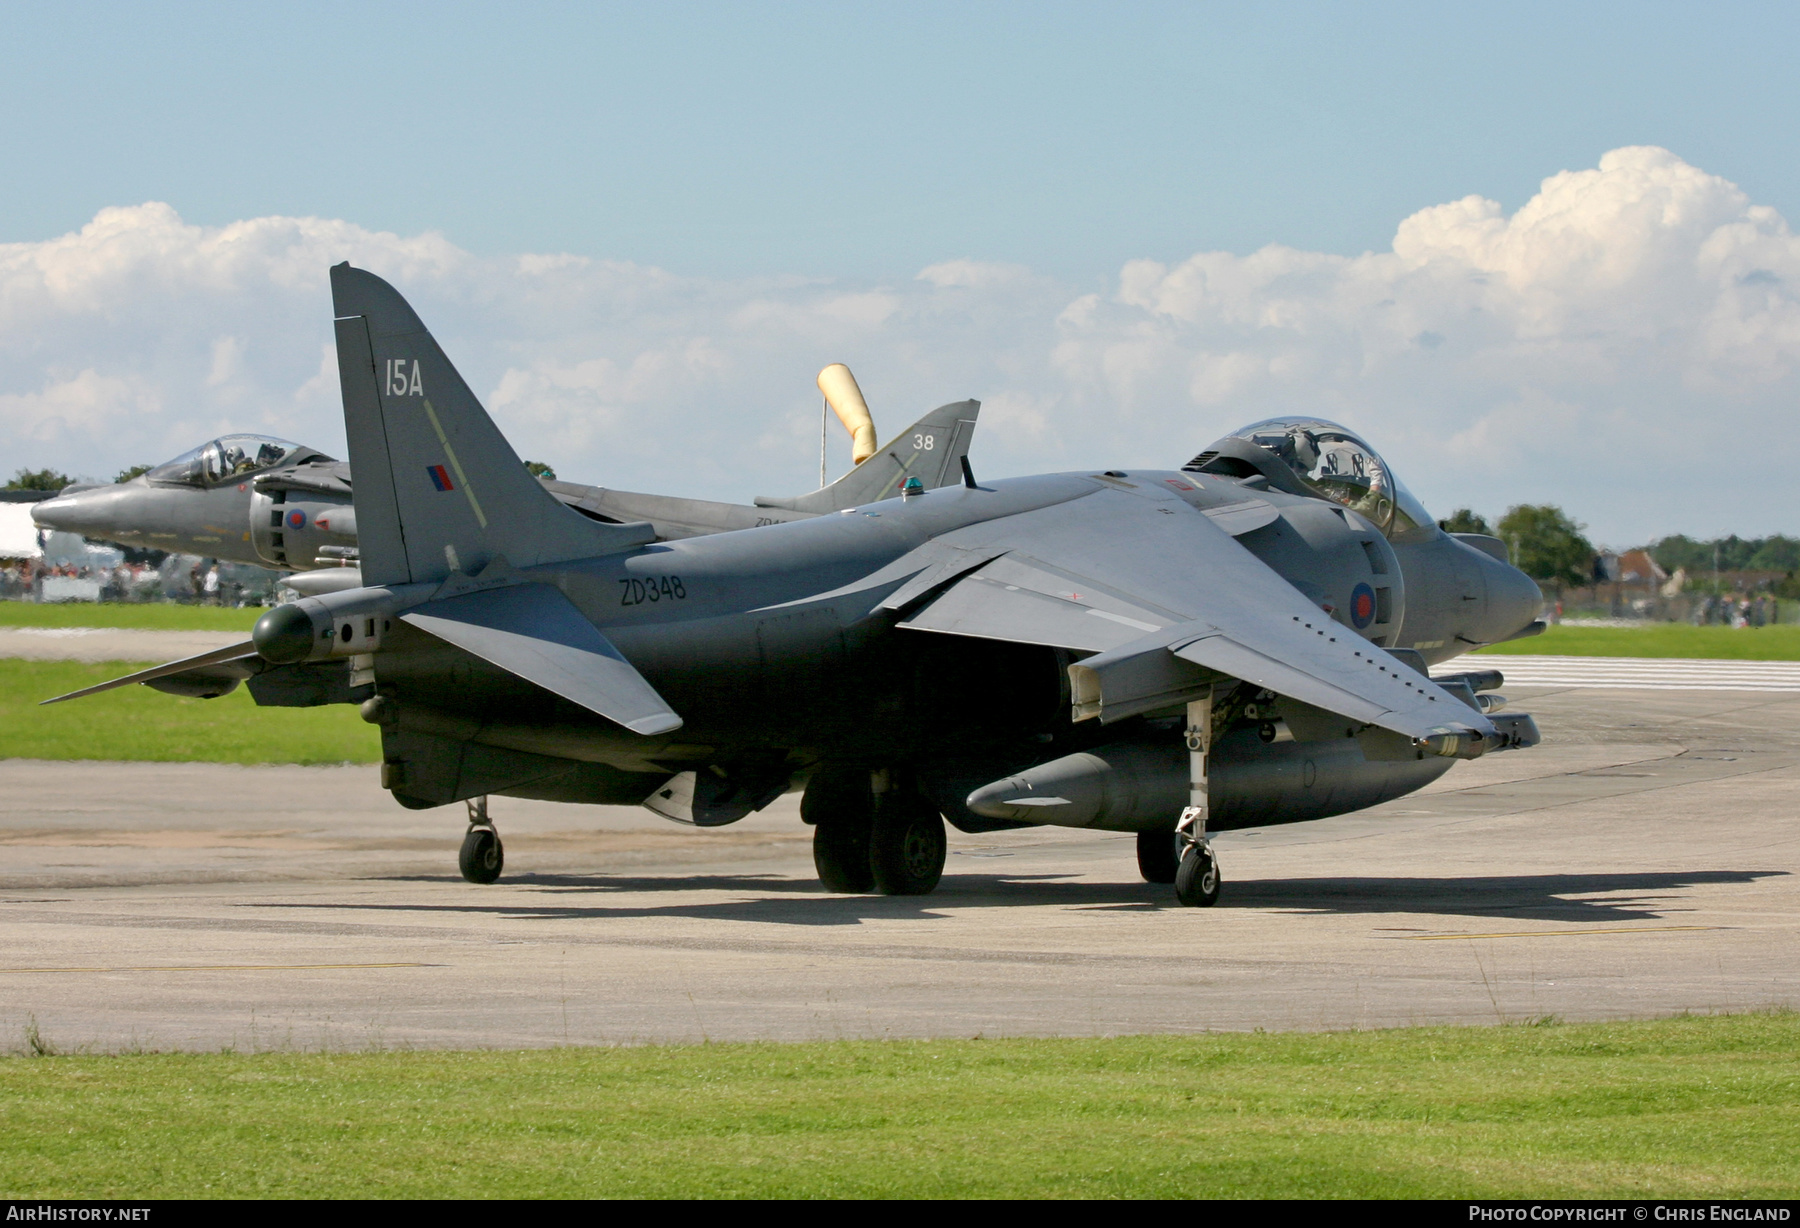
222,968
1636,929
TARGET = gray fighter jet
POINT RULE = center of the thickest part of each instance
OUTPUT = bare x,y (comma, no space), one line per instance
272,503
1236,643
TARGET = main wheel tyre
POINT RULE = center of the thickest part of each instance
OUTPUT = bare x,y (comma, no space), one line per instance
482,855
841,854
1197,878
907,846
840,808
1157,859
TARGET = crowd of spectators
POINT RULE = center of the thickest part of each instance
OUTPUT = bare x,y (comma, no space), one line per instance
185,580
1737,610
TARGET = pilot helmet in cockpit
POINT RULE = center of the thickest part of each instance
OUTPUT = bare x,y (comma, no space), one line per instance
1321,459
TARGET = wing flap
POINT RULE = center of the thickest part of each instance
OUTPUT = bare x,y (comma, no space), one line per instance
1227,656
534,631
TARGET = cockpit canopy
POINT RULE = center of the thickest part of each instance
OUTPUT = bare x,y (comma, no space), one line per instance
1314,457
225,458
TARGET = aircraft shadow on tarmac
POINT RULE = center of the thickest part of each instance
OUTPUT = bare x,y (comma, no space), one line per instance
1543,897
789,901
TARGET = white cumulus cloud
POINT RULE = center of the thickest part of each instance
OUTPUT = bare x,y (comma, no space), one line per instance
1625,344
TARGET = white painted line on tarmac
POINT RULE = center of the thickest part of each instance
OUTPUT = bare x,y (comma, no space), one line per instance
1646,673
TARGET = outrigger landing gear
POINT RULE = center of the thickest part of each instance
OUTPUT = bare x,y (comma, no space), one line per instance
1197,875
1197,869
482,853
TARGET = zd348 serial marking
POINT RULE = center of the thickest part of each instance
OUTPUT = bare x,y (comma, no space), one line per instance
651,589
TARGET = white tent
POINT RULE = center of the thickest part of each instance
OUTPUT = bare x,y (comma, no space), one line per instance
18,535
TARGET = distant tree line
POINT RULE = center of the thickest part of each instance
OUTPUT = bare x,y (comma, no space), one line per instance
1543,540
1733,553
1549,546
39,479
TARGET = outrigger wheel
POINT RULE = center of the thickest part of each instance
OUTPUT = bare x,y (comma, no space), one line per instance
482,854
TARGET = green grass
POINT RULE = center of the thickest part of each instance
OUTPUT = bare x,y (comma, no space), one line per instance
1781,643
137,723
153,616
1689,1107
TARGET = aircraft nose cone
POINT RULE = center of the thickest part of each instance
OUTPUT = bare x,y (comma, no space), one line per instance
1514,600
64,514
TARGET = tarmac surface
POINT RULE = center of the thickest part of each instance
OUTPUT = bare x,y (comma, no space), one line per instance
1642,861
110,643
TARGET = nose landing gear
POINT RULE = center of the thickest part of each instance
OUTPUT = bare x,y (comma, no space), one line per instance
482,854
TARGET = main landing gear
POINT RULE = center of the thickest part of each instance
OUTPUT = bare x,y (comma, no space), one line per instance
482,853
1158,856
869,835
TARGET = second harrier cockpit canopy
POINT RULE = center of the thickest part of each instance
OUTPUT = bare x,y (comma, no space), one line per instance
1310,456
227,458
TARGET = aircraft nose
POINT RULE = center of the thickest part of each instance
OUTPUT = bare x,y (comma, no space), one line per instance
1514,600
80,512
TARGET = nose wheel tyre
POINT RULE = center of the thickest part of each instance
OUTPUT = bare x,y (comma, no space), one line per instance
907,846
482,855
1157,860
1197,877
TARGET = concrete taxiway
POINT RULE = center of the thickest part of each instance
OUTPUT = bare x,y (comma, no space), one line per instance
112,643
1642,861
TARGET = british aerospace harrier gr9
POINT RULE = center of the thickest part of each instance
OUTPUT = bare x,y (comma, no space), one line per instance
1243,641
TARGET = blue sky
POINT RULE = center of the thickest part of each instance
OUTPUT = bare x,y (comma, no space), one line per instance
858,140
1539,253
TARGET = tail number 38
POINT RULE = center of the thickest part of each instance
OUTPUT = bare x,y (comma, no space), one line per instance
924,443
651,589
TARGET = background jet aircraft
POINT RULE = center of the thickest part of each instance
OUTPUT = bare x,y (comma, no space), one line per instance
268,502
1166,653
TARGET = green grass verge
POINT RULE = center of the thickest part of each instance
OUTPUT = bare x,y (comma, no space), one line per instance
1780,643
1688,1107
137,723
150,616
